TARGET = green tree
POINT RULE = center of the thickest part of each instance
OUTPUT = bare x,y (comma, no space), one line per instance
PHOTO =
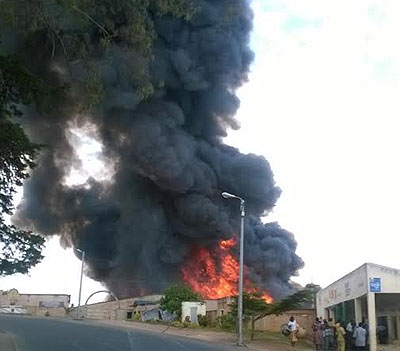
175,295
19,250
81,30
255,307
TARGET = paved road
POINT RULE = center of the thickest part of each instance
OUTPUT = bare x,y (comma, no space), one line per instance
44,334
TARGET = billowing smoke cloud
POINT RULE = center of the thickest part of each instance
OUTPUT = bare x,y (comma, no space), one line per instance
170,164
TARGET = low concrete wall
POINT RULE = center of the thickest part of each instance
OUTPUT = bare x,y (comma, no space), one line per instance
304,318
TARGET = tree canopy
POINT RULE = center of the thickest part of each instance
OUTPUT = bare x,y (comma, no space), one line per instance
255,307
19,249
175,295
83,31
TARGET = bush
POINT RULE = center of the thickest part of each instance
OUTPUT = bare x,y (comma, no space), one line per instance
177,324
203,320
227,321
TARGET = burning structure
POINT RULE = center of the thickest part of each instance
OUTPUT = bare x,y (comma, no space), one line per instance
157,216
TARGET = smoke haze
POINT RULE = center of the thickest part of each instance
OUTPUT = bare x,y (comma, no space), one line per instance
166,161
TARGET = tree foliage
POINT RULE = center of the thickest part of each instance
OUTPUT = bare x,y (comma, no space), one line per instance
255,307
84,30
19,250
175,295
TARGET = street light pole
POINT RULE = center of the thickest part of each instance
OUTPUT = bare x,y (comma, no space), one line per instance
80,284
240,297
226,195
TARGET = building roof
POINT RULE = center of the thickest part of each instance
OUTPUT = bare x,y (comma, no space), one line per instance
5,292
147,298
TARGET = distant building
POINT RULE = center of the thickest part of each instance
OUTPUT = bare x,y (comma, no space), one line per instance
369,294
191,311
136,308
12,301
219,307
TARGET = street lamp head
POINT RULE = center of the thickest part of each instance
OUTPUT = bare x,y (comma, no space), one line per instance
226,195
80,251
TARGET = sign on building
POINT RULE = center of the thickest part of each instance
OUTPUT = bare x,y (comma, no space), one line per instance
51,304
375,285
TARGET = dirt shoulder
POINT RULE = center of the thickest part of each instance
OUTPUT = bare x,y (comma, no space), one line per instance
6,342
265,341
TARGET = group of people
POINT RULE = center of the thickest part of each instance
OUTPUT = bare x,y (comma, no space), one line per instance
331,336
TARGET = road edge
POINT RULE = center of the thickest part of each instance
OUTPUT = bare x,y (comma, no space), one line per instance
7,342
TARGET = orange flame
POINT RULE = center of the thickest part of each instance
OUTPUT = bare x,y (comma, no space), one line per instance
214,274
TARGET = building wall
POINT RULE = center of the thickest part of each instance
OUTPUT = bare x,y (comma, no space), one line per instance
356,284
349,287
390,278
114,310
35,304
217,308
305,319
186,306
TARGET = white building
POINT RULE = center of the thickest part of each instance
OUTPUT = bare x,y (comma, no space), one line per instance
370,293
190,311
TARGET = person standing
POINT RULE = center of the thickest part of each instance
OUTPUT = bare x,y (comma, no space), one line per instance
360,336
328,337
349,335
293,328
317,334
340,333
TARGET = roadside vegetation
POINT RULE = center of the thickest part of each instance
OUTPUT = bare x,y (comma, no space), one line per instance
254,308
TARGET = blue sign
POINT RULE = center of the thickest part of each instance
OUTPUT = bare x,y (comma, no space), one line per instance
375,285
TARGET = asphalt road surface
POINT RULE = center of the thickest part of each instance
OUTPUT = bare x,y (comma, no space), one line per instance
45,334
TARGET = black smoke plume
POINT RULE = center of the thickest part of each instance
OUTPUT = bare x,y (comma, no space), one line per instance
169,161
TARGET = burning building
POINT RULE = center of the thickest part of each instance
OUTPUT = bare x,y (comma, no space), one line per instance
155,216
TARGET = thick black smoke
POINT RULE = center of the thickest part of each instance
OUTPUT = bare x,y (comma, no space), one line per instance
170,164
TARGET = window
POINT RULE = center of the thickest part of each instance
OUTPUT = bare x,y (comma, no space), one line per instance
129,315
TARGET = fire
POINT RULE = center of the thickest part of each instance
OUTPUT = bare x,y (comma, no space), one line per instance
215,274
267,298
205,277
